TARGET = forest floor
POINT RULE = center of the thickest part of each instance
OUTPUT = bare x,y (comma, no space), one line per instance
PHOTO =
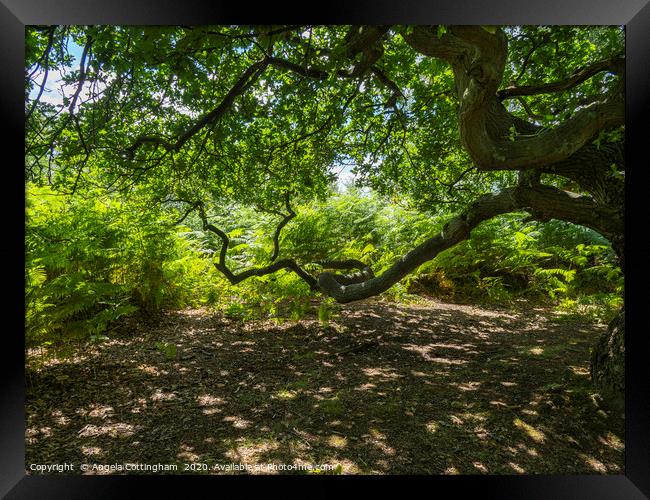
383,388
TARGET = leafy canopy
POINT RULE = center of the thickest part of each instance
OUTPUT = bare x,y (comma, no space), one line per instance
249,113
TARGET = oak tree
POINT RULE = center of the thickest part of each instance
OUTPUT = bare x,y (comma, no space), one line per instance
480,120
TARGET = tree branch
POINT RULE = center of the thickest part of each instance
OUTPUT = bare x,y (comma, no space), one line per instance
46,55
477,59
248,78
82,74
193,206
528,110
276,237
234,279
613,65
364,274
387,82
538,150
543,202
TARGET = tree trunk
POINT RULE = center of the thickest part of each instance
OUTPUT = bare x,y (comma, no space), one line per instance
608,361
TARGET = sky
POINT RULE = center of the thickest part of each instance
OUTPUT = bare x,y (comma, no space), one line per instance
52,93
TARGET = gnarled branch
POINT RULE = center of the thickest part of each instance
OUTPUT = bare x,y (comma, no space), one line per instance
248,78
542,149
613,65
285,220
288,264
364,272
46,58
543,202
83,70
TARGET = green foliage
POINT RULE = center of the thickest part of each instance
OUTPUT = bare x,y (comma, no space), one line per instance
287,132
505,259
111,248
325,312
92,260
557,262
298,308
169,350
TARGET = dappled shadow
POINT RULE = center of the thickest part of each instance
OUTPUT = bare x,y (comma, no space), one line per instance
384,388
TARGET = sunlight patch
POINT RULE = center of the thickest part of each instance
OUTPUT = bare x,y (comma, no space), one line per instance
378,439
60,418
424,351
480,467
32,432
150,370
187,453
458,347
612,441
536,435
141,405
237,422
377,434
580,371
159,395
91,451
30,435
208,400
476,417
99,411
209,403
447,361
468,386
386,373
517,468
116,430
286,394
596,465
337,441
432,427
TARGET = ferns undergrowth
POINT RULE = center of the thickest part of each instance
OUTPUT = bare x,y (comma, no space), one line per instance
90,261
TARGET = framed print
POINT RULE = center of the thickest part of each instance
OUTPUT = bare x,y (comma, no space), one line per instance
388,242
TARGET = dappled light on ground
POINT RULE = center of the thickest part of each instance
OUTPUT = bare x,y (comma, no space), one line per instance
382,388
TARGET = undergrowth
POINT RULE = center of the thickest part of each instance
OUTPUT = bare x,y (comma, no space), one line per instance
92,260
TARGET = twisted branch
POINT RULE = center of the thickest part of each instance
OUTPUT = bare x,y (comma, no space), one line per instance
234,279
613,65
542,202
276,236
364,272
248,78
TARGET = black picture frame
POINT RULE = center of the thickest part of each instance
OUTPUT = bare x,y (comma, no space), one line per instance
634,14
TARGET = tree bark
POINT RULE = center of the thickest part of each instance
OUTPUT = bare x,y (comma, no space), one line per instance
608,361
542,202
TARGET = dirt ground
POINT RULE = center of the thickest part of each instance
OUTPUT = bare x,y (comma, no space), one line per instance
383,388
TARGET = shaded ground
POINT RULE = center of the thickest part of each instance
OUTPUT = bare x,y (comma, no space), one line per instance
383,388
